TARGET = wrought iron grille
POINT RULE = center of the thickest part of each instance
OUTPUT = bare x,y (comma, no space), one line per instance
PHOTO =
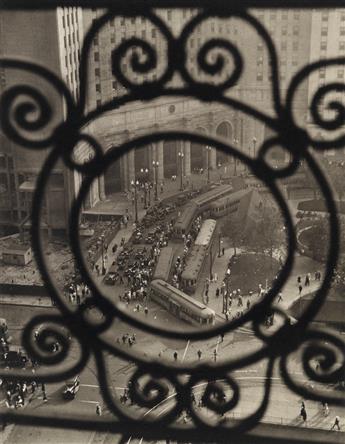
298,142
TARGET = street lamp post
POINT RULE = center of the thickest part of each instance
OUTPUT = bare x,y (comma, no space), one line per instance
149,190
145,172
208,149
181,156
220,171
135,185
155,165
235,159
254,145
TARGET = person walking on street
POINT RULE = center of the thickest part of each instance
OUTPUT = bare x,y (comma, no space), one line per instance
300,288
336,423
307,281
199,352
215,355
98,409
303,412
325,409
175,356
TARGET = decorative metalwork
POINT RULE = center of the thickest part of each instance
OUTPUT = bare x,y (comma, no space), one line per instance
17,125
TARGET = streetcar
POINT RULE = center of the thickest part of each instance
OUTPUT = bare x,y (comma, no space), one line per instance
197,255
164,264
206,233
185,221
228,204
204,200
180,304
195,262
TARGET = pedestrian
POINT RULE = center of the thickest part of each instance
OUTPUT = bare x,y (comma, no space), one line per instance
307,281
199,352
175,356
303,413
336,423
300,288
223,251
146,311
217,292
325,409
215,355
98,409
299,280
280,297
248,304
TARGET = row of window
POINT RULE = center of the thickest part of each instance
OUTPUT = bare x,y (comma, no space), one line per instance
284,15
69,18
325,15
341,46
324,30
75,38
283,46
322,73
71,58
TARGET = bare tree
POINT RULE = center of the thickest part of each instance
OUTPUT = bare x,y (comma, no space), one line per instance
267,232
233,229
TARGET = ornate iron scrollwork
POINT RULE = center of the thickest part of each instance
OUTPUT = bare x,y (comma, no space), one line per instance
160,377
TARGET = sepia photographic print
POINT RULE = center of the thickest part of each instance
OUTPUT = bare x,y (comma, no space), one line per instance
172,232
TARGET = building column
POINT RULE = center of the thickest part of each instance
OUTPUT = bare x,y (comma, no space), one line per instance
150,157
213,158
101,187
124,172
160,158
131,167
213,152
186,150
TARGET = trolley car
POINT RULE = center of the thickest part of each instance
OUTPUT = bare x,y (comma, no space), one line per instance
180,304
164,264
204,200
228,204
198,253
185,221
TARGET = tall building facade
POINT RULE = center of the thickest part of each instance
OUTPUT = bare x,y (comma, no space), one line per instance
53,39
327,41
290,31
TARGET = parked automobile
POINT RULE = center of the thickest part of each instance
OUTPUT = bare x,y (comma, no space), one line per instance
72,387
111,278
14,358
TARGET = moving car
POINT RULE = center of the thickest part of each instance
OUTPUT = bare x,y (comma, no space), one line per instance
72,387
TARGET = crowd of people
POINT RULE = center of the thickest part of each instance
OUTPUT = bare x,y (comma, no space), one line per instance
188,240
136,266
18,392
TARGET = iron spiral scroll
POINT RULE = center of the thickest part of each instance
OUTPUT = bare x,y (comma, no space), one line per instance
162,376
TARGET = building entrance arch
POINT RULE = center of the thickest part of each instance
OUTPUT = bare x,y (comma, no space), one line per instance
197,153
224,131
112,178
170,149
